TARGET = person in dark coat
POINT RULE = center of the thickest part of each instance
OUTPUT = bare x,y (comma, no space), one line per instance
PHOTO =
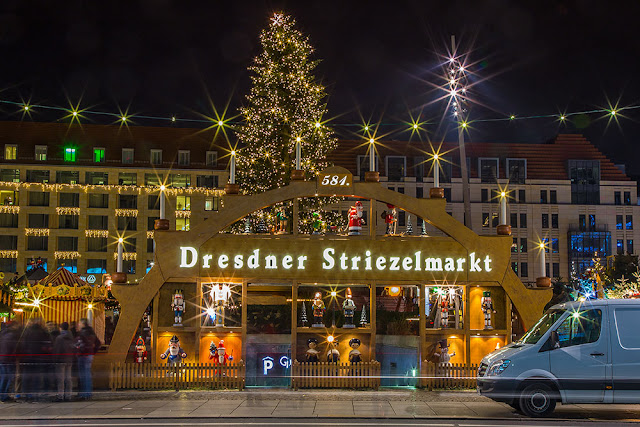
64,351
35,354
8,344
87,344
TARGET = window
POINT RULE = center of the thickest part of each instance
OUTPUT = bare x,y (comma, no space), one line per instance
150,222
585,181
514,220
127,201
183,203
67,243
37,198
627,197
153,202
494,220
514,245
488,170
150,264
156,157
207,181
626,321
553,197
8,220
419,192
617,200
127,156
68,221
418,168
581,329
522,198
556,269
618,222
484,195
37,243
555,245
67,177
10,152
630,246
629,222
8,243
523,220
129,245
10,175
97,244
182,224
543,197
514,267
153,179
485,220
98,200
446,169
9,198
129,266
8,265
41,153
546,270
38,176
554,220
69,200
210,203
582,222
127,178
592,222
620,246
212,159
524,269
98,222
69,154
69,264
363,165
396,168
545,220
447,194
127,223
184,157
517,169
96,178
96,266
178,180
149,245
523,244
98,155
546,246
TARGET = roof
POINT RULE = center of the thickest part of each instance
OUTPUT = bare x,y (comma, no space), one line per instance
62,276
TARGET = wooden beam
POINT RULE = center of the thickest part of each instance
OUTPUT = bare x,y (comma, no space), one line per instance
294,319
372,320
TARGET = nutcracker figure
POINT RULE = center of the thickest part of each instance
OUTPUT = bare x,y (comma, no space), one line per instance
220,357
390,218
178,306
281,216
333,355
141,351
317,223
174,354
354,355
318,311
312,353
487,309
220,294
356,220
444,311
348,308
146,319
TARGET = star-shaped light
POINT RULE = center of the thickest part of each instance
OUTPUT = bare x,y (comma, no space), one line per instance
277,19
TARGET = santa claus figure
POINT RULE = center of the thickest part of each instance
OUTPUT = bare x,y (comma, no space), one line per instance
356,220
318,311
141,351
487,309
219,354
220,294
174,354
178,306
348,308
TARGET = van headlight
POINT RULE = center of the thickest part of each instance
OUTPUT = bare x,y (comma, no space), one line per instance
498,367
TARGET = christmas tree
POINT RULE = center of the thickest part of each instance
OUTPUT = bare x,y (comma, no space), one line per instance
409,230
285,107
303,315
363,317
424,228
262,226
247,225
625,288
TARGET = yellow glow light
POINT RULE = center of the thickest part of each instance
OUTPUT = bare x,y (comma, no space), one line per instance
220,123
123,118
74,113
371,141
436,157
512,117
576,315
562,117
173,119
613,112
36,302
318,124
120,240
334,293
298,139
90,306
541,245
26,108
394,291
211,312
366,128
502,194
415,126
464,124
233,152
330,338
162,187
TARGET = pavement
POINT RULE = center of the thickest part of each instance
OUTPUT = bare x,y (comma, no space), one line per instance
251,404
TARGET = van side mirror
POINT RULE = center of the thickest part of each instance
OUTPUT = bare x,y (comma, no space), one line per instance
555,340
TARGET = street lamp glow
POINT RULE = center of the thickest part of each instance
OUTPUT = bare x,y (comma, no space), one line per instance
502,194
162,187
415,126
220,123
120,240
330,338
298,139
90,306
371,141
74,113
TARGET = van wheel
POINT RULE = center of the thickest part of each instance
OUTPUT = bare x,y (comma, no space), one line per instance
537,400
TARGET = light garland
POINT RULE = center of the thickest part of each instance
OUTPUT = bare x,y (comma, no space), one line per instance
8,254
36,231
118,188
127,212
96,233
67,211
11,209
66,255
183,214
150,234
127,256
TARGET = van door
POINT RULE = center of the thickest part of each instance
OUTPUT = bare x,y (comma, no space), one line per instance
625,353
580,361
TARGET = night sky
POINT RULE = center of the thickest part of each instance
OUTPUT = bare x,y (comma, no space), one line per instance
379,60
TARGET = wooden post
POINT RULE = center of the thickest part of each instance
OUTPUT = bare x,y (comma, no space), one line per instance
372,320
244,317
294,219
509,328
198,323
422,324
372,219
467,324
154,328
294,325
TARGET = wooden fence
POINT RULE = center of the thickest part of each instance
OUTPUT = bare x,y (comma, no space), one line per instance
448,375
188,375
335,375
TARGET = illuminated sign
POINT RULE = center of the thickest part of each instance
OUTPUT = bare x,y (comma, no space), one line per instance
335,180
268,362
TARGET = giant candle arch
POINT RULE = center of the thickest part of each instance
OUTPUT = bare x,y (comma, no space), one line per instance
134,299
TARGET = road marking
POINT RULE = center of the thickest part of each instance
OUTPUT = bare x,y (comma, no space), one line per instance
262,423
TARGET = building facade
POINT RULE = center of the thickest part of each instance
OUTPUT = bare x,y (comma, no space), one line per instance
68,192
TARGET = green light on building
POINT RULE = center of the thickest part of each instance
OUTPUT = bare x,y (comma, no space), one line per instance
69,154
98,155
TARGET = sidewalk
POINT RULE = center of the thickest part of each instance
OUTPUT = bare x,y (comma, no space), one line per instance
300,404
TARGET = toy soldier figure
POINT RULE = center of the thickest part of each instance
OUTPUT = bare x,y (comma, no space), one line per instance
141,351
281,216
220,294
348,308
174,354
318,311
178,307
487,309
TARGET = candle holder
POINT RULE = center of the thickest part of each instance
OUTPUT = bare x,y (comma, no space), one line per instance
503,230
161,224
119,278
436,193
297,175
372,176
232,188
543,282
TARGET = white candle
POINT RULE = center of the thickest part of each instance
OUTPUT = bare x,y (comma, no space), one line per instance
120,249
298,153
436,171
503,208
162,203
232,169
543,261
372,156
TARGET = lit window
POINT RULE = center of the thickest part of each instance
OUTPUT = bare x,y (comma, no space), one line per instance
183,203
156,157
98,155
41,153
184,157
127,155
211,203
212,159
182,224
10,152
69,154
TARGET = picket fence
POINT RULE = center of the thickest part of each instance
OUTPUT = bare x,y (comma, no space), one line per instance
152,376
335,375
448,375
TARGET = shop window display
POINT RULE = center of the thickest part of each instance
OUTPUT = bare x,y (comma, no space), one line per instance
444,307
220,304
268,309
333,306
397,310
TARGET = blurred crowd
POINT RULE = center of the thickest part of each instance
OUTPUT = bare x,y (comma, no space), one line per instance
46,361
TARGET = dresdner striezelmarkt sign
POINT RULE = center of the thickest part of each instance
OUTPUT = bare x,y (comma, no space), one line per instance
350,259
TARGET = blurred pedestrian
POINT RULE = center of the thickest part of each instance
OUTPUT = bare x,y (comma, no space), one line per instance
87,344
73,328
64,350
35,353
8,345
50,380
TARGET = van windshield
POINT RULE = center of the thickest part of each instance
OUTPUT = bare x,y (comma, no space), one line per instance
540,328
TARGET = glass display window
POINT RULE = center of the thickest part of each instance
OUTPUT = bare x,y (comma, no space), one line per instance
444,307
268,308
397,310
221,304
334,306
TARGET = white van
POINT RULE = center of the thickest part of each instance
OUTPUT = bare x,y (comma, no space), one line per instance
578,352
